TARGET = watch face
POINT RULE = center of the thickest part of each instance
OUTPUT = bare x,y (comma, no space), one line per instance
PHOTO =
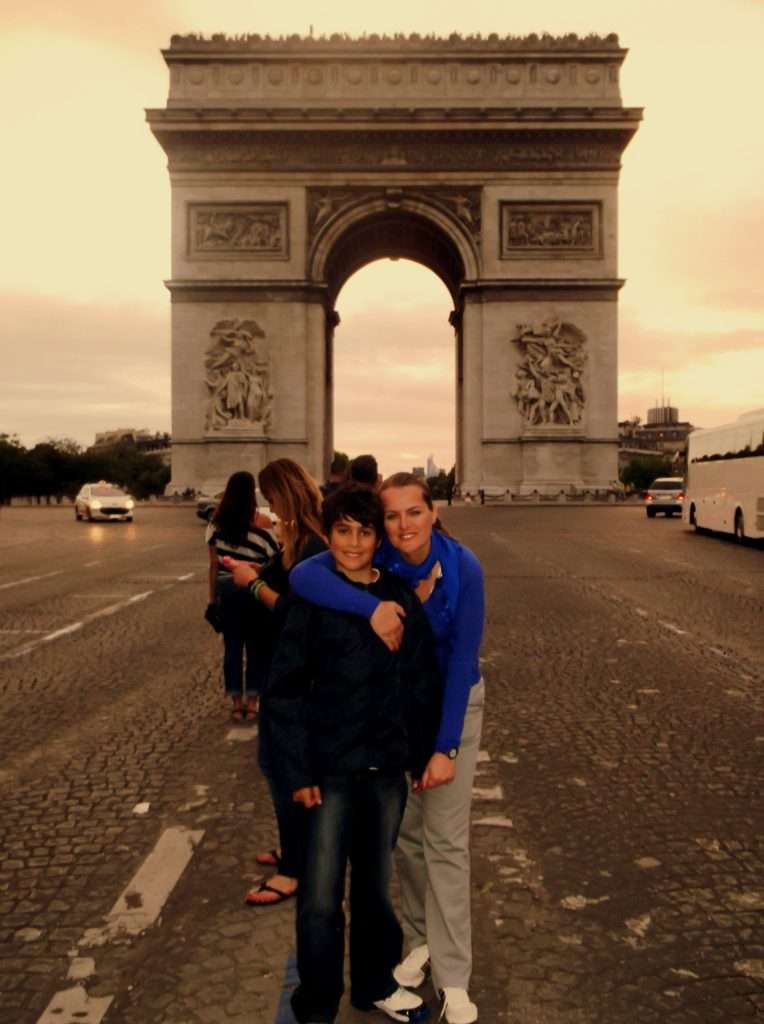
453,753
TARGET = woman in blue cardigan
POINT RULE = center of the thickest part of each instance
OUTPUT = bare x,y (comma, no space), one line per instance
433,847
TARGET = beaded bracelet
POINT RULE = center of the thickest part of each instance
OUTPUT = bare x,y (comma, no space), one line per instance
256,587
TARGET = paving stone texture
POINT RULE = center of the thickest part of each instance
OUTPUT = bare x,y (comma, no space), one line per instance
618,831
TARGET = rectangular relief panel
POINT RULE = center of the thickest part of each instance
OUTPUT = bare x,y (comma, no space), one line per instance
550,230
238,231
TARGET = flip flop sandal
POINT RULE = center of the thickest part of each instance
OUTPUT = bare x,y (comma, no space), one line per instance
264,887
270,859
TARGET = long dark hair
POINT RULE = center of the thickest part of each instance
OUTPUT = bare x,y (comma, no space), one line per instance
236,512
300,501
412,480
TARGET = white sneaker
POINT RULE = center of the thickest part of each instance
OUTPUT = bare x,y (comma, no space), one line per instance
413,970
403,1005
457,1008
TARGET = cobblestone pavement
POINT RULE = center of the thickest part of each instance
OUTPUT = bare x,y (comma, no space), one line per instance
618,830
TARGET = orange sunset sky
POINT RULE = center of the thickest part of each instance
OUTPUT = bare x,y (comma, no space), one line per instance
84,315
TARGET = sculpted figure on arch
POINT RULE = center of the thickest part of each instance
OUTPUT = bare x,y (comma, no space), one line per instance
548,386
237,376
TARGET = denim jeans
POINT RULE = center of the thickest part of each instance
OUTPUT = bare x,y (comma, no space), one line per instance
290,817
238,636
358,820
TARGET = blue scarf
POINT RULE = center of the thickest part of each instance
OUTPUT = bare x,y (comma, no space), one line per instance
444,550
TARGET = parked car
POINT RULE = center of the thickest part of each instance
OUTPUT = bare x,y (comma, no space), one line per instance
666,495
206,505
103,501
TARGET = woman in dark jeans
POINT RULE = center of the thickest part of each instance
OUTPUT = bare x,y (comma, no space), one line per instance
239,530
295,499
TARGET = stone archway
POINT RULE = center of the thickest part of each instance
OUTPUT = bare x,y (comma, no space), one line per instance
494,162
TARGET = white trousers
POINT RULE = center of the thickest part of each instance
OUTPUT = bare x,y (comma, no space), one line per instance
433,858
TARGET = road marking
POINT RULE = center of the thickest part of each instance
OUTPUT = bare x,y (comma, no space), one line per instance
241,734
496,793
186,577
673,629
23,631
137,909
64,631
155,547
495,821
142,901
30,579
75,1004
89,565
74,626
110,609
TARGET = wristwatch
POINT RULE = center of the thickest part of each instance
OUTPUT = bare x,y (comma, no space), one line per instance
452,754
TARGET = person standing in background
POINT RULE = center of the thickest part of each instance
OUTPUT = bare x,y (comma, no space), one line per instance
237,529
295,499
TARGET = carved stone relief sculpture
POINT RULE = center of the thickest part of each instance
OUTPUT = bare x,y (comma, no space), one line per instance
550,229
238,230
549,386
237,377
462,203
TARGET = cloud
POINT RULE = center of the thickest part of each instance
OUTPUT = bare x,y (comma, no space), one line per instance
77,369
394,386
644,348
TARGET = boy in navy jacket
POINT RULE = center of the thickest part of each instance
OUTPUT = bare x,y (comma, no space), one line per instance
348,718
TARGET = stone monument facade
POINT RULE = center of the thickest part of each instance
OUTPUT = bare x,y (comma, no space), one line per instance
492,161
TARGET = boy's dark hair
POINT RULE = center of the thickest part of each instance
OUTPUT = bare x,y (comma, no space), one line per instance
354,501
364,470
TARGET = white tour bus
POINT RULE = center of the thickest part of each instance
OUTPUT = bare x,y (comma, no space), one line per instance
725,478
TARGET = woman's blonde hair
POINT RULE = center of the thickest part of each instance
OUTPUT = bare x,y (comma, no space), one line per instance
299,499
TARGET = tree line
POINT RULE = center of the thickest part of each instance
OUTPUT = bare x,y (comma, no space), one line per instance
56,468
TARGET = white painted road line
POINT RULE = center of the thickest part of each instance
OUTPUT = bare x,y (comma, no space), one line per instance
186,577
74,626
673,629
30,579
74,1004
141,903
89,565
64,631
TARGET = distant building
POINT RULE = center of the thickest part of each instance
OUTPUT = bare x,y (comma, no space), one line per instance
146,442
664,435
432,469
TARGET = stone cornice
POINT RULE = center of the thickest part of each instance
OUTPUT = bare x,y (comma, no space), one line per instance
188,290
543,290
397,43
546,71
232,117
401,148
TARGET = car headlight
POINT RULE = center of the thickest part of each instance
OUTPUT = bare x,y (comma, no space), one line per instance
130,503
95,504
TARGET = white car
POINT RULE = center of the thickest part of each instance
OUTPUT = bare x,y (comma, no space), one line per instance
666,495
103,501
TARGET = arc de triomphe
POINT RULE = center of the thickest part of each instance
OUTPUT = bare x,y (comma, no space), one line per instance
492,161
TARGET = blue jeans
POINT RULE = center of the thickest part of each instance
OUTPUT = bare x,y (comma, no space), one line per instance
238,636
358,820
291,817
